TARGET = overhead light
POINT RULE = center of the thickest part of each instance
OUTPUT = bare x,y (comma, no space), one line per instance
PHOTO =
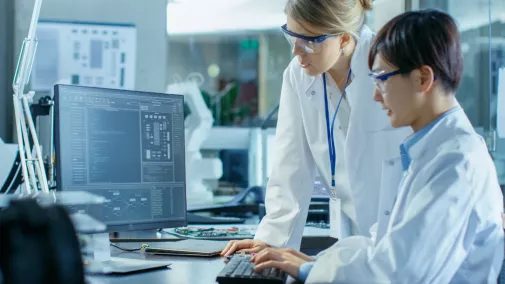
204,16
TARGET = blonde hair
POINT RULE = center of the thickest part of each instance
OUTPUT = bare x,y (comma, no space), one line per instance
331,16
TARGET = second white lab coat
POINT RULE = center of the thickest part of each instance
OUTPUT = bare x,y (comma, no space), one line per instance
301,147
445,226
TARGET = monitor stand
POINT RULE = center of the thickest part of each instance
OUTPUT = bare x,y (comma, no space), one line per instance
99,260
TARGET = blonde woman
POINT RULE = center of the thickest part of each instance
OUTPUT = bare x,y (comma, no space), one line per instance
327,122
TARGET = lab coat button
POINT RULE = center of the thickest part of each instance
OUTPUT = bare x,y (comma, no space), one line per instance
340,127
313,92
387,212
391,163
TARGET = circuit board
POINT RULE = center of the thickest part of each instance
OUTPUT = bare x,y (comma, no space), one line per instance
212,233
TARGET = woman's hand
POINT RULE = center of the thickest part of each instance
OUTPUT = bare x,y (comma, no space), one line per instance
287,260
246,246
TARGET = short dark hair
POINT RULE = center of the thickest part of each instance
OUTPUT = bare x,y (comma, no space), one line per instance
427,37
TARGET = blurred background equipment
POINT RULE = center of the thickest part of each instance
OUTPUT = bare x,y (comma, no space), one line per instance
85,53
197,126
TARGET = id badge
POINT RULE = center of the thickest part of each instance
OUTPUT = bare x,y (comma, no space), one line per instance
335,218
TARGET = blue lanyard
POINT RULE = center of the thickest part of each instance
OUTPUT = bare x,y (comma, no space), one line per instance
329,129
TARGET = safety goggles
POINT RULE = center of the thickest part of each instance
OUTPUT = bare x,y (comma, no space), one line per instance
380,78
309,44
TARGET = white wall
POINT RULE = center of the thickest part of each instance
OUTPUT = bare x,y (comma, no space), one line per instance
148,15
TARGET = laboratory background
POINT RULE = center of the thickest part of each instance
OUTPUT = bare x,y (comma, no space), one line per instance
226,57
236,54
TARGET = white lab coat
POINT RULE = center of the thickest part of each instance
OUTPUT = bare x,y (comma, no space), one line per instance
445,226
302,147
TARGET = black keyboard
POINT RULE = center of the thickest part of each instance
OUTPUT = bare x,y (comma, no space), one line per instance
241,270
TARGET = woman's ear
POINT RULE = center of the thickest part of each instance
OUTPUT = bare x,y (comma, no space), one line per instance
344,40
427,77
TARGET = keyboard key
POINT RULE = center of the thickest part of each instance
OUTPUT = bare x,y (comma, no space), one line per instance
249,270
274,272
255,274
240,269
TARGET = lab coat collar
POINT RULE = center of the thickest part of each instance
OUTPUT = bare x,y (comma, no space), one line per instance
412,146
359,66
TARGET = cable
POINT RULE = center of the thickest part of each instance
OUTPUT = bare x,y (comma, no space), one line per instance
269,116
143,246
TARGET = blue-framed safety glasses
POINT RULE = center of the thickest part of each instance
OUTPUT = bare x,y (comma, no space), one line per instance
380,78
310,44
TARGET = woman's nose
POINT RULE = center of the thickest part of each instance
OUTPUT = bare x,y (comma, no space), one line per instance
377,95
297,50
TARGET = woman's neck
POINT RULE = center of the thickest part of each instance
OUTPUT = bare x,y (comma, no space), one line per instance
341,68
434,110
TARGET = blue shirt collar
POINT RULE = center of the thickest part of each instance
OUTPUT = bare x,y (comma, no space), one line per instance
415,137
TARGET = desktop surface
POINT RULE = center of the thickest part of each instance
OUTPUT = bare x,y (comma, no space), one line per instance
182,269
194,270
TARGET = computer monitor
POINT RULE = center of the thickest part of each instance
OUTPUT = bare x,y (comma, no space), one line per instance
127,146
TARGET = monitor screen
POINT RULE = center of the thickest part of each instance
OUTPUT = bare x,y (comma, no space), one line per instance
127,146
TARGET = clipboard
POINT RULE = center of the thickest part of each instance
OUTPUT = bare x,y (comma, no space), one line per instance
194,248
